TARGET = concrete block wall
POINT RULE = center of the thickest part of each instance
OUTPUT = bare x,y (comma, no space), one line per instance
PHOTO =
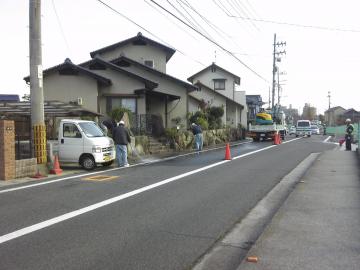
7,150
25,167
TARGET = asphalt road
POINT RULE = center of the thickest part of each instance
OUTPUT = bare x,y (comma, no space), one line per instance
163,215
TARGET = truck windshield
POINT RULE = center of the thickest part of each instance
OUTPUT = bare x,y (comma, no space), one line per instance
91,129
303,124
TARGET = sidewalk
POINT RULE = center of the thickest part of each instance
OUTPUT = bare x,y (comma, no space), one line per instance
318,226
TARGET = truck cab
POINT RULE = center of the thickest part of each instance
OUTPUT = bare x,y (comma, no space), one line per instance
303,128
85,143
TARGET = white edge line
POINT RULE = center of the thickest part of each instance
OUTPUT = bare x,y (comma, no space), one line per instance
109,170
50,222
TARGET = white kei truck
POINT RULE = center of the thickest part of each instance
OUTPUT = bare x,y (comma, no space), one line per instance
303,128
83,142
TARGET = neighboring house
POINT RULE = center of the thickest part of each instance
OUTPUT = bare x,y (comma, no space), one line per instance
9,98
352,114
333,115
131,74
218,88
254,104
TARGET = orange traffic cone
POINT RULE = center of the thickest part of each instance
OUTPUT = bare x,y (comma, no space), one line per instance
38,175
227,152
56,170
276,138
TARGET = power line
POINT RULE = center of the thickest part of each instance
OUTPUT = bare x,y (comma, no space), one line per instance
221,47
200,27
240,11
187,32
61,28
148,31
299,25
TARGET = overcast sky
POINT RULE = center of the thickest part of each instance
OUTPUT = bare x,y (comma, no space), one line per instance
322,37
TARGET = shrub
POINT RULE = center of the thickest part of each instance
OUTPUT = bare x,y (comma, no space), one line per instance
118,113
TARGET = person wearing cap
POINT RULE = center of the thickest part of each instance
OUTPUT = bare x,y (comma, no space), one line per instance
121,138
348,136
196,130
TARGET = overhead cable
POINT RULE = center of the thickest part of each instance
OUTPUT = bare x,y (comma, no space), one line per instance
299,25
215,43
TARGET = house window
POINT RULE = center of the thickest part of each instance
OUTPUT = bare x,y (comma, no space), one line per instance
116,102
149,63
219,84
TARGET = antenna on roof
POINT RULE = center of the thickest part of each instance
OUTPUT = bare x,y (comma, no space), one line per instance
215,56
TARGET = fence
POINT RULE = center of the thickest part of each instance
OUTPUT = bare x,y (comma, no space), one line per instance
339,131
147,124
23,143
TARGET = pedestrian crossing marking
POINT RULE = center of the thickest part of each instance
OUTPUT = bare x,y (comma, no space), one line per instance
99,178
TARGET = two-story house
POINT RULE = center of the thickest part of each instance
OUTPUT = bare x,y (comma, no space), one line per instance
218,88
333,115
130,74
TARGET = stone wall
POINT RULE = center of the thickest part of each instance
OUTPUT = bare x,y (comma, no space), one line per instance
25,167
7,150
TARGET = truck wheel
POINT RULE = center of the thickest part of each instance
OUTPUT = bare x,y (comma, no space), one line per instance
296,136
107,164
256,139
87,162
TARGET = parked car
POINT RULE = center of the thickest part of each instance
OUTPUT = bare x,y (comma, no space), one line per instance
83,142
315,130
292,130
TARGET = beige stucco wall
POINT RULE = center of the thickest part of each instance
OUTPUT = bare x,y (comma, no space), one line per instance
177,108
212,98
231,117
69,88
193,105
207,77
121,84
240,97
140,54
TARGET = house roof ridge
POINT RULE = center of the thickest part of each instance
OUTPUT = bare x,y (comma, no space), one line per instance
155,71
170,51
150,83
68,62
190,79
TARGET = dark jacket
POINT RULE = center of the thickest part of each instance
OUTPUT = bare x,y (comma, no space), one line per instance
196,129
121,135
349,129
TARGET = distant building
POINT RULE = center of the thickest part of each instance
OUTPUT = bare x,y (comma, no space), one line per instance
352,114
333,115
9,98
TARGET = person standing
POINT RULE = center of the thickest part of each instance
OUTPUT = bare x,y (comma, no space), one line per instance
121,138
348,136
196,129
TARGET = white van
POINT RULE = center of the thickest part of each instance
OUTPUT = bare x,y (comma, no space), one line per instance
303,128
85,143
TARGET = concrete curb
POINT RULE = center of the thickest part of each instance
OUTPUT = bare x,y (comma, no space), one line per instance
231,250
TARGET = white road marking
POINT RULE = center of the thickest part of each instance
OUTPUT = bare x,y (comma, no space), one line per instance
58,219
109,170
328,138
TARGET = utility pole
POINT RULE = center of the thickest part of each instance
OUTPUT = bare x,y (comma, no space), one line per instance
36,83
278,85
276,58
329,96
274,71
